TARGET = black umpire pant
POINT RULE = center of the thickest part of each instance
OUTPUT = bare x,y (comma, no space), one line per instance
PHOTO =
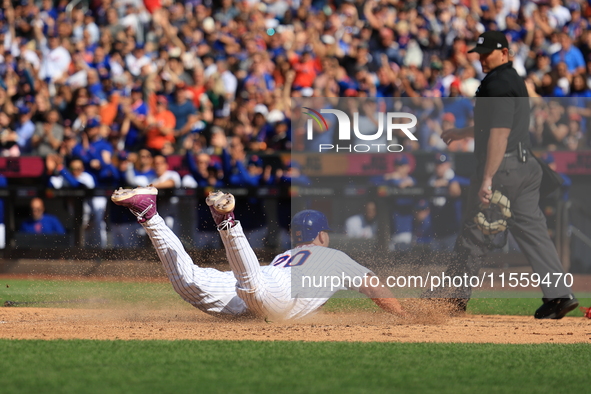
520,183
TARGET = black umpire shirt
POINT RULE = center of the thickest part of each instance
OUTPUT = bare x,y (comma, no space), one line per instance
498,105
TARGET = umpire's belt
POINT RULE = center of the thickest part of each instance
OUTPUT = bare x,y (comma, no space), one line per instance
513,153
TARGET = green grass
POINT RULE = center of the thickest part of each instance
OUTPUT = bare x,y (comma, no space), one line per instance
83,366
87,293
275,367
104,294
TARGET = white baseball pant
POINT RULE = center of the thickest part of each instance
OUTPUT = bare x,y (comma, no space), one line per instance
207,289
265,290
248,289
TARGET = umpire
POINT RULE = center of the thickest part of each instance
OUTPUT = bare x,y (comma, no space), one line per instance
505,163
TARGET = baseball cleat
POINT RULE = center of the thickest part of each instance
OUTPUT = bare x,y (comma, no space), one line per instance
556,308
141,201
221,206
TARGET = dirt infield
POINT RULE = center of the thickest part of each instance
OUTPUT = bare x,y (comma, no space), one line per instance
60,323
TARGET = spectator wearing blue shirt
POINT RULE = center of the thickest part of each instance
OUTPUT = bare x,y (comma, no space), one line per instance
249,175
95,227
47,9
570,55
577,25
93,148
385,86
73,177
101,63
25,129
137,114
259,78
40,222
185,113
94,84
387,46
203,171
514,29
140,169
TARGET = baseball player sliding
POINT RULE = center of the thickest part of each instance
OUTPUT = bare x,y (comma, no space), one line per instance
250,289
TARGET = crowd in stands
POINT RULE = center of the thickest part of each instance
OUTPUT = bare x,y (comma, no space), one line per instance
105,91
155,74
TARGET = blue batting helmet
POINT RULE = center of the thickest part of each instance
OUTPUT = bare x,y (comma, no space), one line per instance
306,225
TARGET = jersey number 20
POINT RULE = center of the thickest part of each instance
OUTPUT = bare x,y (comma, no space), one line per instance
293,261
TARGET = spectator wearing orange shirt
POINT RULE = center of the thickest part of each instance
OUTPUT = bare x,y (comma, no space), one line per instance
108,111
306,69
160,126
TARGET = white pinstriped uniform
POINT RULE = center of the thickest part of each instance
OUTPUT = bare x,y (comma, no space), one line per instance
249,288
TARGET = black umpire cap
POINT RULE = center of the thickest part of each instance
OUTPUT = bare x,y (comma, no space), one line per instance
489,41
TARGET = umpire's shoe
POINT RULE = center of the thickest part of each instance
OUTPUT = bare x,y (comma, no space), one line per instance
141,201
556,308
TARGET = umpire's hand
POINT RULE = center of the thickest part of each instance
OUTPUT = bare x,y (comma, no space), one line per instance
485,192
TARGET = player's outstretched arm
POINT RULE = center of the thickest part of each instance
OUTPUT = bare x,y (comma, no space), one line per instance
383,298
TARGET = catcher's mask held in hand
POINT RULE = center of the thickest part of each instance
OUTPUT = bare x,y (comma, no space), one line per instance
492,218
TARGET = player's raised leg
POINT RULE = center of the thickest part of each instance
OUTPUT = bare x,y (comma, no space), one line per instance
263,295
208,289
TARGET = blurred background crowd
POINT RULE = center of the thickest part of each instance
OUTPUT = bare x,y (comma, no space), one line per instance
106,90
200,75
